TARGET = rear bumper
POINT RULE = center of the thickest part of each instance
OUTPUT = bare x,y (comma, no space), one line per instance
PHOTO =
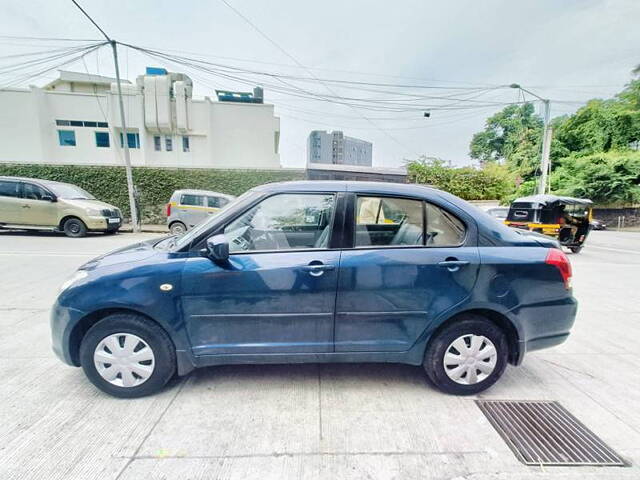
544,325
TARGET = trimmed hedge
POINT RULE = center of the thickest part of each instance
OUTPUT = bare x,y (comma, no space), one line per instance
155,185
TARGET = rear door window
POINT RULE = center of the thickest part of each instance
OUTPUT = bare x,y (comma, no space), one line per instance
192,200
9,189
443,228
388,221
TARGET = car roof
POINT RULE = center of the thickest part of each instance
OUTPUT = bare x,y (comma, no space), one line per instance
36,180
349,186
201,192
546,199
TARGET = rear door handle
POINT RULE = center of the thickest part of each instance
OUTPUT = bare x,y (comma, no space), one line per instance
26,206
317,269
453,265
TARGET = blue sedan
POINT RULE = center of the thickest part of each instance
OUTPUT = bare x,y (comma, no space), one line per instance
320,272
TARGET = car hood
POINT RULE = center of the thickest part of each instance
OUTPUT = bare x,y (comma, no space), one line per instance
84,203
129,254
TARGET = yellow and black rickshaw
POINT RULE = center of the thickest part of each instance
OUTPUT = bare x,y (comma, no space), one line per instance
564,218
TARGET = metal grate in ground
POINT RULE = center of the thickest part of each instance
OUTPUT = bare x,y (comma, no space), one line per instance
545,433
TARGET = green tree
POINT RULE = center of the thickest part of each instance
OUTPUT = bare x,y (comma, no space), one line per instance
511,136
602,125
606,178
494,181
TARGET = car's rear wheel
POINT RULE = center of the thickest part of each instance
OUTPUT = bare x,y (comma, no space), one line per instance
127,356
178,228
467,356
74,227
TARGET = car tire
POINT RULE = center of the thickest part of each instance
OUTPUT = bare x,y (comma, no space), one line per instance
470,368
178,228
576,249
74,227
154,356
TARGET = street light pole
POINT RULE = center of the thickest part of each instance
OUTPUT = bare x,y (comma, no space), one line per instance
125,140
545,162
545,165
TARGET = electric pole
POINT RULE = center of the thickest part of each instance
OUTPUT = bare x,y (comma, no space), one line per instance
125,139
545,163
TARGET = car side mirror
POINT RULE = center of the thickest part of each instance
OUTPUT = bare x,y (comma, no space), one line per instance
49,198
217,249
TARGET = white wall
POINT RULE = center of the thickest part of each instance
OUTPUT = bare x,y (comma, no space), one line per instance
221,135
242,135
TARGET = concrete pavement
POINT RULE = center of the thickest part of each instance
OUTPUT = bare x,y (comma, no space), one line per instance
304,421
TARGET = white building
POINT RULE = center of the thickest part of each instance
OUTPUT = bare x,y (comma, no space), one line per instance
75,119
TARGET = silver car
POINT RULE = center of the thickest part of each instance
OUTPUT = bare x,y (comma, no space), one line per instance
187,208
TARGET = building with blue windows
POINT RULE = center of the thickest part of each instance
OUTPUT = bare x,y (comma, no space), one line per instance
75,119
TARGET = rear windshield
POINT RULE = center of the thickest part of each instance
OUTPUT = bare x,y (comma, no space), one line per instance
521,212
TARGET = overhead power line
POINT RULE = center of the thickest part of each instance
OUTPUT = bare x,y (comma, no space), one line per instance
297,62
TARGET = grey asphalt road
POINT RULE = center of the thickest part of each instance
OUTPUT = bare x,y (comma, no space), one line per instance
304,421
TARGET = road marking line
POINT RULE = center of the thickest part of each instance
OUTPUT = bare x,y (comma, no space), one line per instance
635,252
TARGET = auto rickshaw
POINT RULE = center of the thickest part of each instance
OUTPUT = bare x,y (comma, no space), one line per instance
564,218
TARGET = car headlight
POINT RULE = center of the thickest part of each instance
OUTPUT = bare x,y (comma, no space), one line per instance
92,212
73,279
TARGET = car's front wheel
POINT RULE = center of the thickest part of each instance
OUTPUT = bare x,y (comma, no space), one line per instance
467,356
74,227
127,356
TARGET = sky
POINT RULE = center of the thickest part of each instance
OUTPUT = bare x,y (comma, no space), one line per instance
568,51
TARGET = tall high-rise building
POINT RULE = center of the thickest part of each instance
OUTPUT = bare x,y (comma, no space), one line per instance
337,149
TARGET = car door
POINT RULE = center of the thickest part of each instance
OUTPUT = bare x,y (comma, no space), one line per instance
411,261
38,207
10,202
276,293
191,209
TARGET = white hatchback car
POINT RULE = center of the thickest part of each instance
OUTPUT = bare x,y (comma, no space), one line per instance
187,208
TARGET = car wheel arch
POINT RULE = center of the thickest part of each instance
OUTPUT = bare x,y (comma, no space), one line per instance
178,221
83,325
497,318
65,218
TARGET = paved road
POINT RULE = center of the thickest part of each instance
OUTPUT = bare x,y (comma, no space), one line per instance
304,421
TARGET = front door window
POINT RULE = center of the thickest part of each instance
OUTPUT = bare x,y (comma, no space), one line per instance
283,222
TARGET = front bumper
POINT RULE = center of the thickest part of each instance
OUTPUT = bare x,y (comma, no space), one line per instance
62,321
108,224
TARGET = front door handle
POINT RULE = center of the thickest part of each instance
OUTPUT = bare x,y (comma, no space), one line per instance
317,269
453,265
26,206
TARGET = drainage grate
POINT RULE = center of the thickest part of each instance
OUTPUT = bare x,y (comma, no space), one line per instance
544,433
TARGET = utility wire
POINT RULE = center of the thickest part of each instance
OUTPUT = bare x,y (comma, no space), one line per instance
295,60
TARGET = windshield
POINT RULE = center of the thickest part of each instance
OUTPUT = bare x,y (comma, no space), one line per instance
195,232
71,192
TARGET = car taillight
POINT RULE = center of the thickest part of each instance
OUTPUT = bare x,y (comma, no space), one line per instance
168,209
558,259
